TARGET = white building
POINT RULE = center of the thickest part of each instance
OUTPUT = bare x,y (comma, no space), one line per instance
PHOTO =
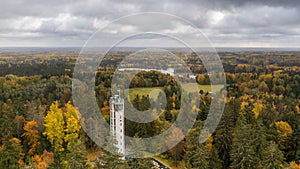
117,122
170,71
191,76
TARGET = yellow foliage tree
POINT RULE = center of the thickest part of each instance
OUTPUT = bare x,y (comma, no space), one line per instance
72,124
297,109
54,126
294,165
39,163
284,128
209,142
32,136
244,105
257,109
200,78
1,148
62,127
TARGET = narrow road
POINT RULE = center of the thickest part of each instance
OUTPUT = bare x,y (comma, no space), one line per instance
159,165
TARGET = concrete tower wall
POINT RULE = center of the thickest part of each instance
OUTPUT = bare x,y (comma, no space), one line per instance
117,122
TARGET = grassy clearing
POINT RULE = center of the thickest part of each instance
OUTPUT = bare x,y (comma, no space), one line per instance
205,88
144,91
187,86
147,90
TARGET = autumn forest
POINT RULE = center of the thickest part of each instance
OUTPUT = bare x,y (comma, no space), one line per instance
259,129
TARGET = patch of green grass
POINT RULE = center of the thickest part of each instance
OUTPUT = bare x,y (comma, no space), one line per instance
187,86
144,91
206,88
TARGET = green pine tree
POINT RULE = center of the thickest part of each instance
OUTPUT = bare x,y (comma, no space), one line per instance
111,159
244,153
198,155
272,157
11,154
77,155
137,153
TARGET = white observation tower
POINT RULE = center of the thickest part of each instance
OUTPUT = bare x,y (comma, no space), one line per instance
116,104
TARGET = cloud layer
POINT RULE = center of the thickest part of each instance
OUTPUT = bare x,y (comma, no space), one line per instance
227,23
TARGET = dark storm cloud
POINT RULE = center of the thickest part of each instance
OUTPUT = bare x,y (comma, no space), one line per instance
225,22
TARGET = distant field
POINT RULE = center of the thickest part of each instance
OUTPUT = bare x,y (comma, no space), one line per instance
205,88
147,90
143,91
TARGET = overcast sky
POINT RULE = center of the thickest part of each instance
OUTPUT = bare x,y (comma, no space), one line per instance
227,23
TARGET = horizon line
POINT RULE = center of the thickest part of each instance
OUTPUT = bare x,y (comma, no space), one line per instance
271,47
